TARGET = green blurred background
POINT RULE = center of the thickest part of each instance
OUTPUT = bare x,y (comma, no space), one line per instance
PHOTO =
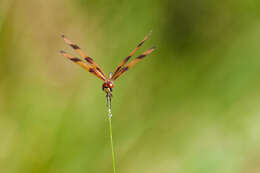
192,106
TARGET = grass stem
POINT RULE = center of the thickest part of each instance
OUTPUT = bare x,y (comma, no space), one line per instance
111,132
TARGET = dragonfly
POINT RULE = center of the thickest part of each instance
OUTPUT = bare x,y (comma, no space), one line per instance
90,65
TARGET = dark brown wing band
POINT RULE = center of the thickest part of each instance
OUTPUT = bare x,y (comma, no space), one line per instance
84,55
130,55
83,64
132,63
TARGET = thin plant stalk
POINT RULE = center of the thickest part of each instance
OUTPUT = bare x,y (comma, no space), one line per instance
111,132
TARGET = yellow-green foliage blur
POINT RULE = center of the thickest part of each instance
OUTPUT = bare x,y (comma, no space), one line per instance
192,106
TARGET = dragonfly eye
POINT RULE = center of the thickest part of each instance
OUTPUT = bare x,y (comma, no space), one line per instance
111,85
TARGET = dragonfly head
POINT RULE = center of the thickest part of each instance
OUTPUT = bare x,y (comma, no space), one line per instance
108,86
